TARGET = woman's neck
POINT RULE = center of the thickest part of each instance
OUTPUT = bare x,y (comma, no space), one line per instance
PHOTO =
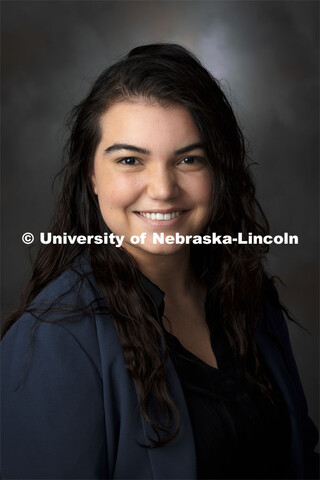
173,273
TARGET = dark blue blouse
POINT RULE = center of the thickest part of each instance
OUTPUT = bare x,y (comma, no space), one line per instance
239,433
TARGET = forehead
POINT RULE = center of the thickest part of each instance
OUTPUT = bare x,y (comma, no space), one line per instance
148,124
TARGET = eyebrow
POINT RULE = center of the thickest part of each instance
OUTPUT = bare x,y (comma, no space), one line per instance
133,148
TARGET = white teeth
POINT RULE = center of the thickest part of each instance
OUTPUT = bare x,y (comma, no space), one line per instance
160,216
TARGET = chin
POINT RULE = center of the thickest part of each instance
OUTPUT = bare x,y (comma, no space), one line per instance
155,249
166,249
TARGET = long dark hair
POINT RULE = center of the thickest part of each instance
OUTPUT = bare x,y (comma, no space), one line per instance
167,74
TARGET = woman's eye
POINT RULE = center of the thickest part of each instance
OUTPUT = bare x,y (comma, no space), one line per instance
190,160
129,161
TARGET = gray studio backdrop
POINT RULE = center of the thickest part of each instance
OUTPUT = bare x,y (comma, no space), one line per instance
265,54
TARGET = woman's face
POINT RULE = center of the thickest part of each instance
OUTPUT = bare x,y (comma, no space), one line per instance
151,175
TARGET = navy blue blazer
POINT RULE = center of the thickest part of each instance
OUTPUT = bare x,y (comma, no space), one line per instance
70,409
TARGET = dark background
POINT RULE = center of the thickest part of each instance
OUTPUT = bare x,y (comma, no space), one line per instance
266,55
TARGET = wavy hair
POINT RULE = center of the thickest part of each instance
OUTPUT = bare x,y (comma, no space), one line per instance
166,74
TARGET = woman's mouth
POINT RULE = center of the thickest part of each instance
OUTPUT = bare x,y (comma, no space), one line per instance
161,218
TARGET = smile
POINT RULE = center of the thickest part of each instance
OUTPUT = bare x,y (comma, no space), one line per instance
160,216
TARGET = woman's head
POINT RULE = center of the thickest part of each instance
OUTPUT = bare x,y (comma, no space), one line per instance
159,78
151,175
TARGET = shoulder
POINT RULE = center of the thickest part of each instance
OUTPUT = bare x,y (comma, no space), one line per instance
273,339
74,289
275,332
52,384
68,318
275,321
272,332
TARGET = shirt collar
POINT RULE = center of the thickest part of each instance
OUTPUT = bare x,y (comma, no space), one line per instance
155,293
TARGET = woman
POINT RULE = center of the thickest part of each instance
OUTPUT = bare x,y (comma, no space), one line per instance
140,359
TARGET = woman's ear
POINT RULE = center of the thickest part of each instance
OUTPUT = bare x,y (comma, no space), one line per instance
93,183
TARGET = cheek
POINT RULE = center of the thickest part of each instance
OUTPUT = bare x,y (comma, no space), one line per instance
200,189
206,192
117,194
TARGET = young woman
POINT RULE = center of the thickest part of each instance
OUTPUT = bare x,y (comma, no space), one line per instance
138,358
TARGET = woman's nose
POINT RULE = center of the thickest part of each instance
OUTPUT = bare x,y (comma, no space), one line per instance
162,184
